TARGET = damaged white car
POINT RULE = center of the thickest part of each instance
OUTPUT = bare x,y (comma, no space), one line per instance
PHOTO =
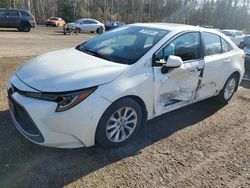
104,90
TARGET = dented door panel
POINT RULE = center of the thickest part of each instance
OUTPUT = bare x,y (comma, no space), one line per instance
177,87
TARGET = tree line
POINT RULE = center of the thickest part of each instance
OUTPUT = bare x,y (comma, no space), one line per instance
224,14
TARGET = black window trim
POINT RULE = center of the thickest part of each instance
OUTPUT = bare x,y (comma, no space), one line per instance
202,52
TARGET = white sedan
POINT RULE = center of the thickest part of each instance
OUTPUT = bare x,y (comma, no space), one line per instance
236,36
90,25
104,90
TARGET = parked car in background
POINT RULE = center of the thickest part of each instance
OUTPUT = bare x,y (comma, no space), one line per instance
71,28
246,47
23,20
55,21
90,25
113,25
87,25
106,88
235,35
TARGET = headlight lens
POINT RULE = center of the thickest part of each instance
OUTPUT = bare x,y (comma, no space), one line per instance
64,101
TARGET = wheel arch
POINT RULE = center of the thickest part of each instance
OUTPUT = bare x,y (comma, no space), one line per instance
142,104
237,73
24,22
135,98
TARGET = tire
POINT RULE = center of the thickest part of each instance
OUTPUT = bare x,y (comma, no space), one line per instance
25,27
241,45
100,30
126,128
229,89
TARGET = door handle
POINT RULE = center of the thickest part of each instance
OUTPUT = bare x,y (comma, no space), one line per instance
227,60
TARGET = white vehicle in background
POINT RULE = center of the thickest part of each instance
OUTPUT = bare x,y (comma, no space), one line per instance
86,25
90,25
104,90
235,35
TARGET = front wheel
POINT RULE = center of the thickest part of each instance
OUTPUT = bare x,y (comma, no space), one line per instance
24,27
119,124
100,30
229,89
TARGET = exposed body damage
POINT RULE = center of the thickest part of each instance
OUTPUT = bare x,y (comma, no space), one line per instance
178,87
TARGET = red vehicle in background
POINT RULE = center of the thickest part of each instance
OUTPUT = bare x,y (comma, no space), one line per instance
55,21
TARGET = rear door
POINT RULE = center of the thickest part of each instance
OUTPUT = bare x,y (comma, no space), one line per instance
13,18
93,25
217,57
3,17
84,25
177,87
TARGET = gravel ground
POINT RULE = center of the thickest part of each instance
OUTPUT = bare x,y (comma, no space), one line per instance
202,145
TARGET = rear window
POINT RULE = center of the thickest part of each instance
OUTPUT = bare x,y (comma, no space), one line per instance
54,19
24,13
238,34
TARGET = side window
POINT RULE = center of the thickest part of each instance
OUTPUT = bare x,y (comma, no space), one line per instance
23,13
92,22
186,46
212,44
85,22
13,13
225,46
3,12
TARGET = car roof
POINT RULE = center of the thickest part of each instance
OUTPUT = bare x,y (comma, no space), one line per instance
87,19
175,27
231,30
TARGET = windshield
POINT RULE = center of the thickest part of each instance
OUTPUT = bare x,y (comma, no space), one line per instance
228,33
125,45
53,18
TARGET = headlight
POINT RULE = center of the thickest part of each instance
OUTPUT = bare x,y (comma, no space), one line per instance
64,101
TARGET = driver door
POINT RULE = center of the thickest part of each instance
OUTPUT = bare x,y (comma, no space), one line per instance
176,87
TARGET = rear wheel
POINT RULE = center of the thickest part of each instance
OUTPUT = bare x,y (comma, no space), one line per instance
119,124
229,89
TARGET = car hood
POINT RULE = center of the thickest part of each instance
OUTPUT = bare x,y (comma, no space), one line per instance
68,70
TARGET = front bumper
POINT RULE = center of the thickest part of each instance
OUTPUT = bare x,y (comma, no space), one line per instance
69,129
33,24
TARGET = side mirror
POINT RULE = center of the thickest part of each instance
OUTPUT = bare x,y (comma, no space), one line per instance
173,62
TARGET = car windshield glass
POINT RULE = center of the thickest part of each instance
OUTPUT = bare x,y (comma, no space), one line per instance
125,45
227,33
53,18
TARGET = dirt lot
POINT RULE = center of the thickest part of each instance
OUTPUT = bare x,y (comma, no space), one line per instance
203,145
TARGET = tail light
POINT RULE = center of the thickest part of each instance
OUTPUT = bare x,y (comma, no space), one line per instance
33,18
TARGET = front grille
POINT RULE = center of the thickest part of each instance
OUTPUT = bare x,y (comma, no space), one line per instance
23,121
